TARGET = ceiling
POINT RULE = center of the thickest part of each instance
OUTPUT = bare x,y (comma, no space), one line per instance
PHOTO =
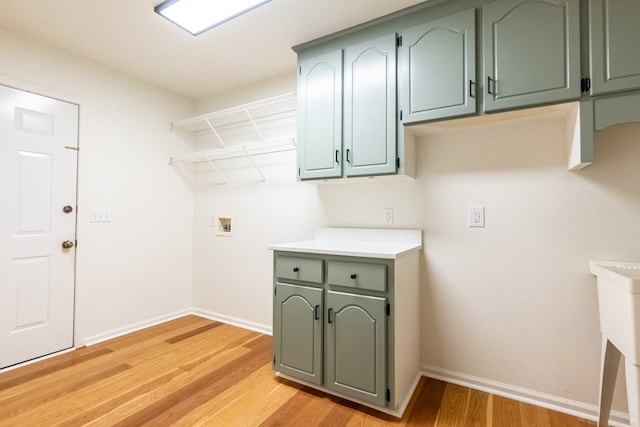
128,36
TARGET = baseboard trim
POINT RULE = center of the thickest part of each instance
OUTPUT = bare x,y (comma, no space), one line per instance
567,406
235,321
115,333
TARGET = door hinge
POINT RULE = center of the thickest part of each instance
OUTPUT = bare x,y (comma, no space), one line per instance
585,84
388,309
399,41
388,395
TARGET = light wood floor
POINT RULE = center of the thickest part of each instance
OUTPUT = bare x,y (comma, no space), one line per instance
197,372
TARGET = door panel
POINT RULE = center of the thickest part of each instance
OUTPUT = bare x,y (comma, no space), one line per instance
298,331
439,66
38,166
320,116
531,52
614,34
356,346
370,107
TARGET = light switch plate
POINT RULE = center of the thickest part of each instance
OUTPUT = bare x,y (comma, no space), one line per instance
100,215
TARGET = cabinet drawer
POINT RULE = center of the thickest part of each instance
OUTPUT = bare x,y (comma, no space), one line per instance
299,268
361,275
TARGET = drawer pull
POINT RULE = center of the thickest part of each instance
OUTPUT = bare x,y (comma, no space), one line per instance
317,312
296,269
329,317
354,275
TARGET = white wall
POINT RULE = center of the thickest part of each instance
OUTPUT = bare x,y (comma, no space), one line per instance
512,304
138,267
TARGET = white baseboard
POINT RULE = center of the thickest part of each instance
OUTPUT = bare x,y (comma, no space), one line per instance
242,323
567,406
115,333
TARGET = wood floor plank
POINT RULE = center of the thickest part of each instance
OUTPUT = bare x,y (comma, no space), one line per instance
506,412
305,408
192,372
534,416
425,403
193,332
477,407
453,406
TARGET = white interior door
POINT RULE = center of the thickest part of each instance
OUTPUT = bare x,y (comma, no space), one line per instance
38,173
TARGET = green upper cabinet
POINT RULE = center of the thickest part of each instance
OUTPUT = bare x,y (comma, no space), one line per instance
438,68
531,52
370,107
614,35
320,116
298,331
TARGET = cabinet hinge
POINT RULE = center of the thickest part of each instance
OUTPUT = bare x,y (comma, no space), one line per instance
388,309
274,360
399,41
388,395
585,84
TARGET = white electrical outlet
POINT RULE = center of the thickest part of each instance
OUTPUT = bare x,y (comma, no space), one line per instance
476,216
387,217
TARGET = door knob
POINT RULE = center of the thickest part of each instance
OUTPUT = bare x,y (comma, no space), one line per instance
67,209
67,244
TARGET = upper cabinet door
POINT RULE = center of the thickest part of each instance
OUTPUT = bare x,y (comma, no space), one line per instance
370,107
438,66
320,116
614,38
531,51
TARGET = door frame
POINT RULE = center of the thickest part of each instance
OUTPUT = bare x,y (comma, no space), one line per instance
77,100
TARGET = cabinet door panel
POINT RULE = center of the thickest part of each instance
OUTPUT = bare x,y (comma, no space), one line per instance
298,331
531,52
320,116
614,37
370,107
438,68
356,346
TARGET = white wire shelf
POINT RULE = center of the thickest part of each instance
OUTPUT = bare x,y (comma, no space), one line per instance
257,128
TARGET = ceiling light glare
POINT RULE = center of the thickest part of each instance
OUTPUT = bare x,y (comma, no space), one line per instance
198,16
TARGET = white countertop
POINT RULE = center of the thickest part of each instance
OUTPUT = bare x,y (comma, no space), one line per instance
361,242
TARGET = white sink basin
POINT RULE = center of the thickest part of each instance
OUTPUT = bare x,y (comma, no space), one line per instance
619,304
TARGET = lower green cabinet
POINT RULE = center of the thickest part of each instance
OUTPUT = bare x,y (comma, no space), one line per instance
356,346
297,331
335,327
